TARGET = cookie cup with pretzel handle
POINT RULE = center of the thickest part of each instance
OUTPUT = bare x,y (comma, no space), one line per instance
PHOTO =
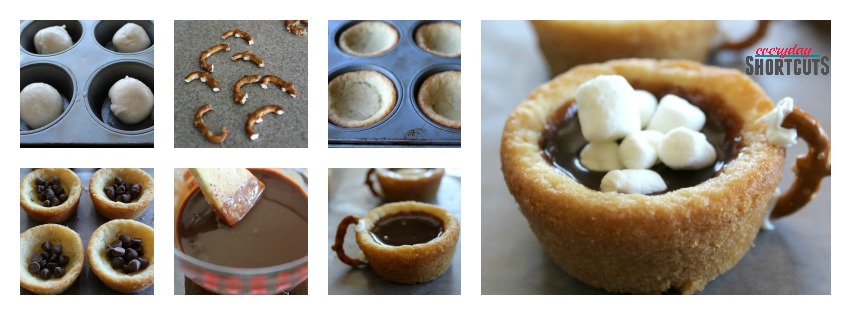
678,240
407,264
398,186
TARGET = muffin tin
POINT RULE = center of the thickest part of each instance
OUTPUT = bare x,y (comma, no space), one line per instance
407,66
83,75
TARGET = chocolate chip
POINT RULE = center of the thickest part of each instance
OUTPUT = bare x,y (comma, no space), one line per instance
47,203
63,197
136,242
56,180
117,262
133,266
44,274
124,238
119,190
47,246
52,265
63,260
125,198
136,187
36,258
110,192
58,272
57,249
56,188
39,181
134,193
140,251
131,254
119,180
118,252
34,267
40,189
143,262
115,244
55,201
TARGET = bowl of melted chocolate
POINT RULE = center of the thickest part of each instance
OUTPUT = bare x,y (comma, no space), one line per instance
264,253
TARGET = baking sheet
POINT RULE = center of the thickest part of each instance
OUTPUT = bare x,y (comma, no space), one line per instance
792,259
348,195
407,65
85,222
284,55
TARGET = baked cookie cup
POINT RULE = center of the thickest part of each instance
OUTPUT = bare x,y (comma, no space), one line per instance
35,207
31,244
634,243
439,98
360,98
110,209
101,263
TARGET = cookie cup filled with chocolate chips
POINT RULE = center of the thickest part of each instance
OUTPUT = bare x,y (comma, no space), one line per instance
113,207
43,209
101,257
32,243
405,242
680,238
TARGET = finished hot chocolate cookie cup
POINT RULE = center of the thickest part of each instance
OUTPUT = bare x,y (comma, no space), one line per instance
679,239
50,195
111,205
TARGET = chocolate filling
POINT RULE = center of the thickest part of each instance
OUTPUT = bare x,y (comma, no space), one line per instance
562,139
406,229
274,232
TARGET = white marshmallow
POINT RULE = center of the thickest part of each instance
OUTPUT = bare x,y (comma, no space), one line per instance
633,182
646,103
776,134
686,149
605,108
673,112
639,150
600,156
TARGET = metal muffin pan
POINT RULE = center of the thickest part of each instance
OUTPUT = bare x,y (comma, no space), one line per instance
407,66
83,75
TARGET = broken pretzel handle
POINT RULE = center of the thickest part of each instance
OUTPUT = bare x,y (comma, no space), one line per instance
202,61
293,26
809,168
239,96
285,86
204,77
245,55
257,117
199,123
761,29
341,236
238,33
369,182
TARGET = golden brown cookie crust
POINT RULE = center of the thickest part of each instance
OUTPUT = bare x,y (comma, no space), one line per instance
439,98
369,38
441,39
119,210
101,266
409,263
348,92
72,246
36,210
566,44
636,243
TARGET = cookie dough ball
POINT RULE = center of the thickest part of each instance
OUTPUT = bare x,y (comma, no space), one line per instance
132,100
51,40
131,38
40,104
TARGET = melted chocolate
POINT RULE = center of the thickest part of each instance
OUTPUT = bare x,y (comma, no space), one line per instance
274,232
562,140
406,229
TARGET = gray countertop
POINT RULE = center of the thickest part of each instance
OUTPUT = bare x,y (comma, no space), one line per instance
792,259
85,222
284,55
348,195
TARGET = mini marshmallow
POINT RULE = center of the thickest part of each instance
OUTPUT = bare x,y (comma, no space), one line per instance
606,112
686,149
673,112
633,182
639,150
776,134
646,103
600,156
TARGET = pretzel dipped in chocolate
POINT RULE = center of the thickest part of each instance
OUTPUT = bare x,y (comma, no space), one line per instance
257,117
239,96
207,53
204,77
199,124
245,55
238,33
287,87
295,26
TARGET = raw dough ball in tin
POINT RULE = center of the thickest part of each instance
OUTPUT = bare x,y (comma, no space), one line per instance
132,100
40,104
131,38
51,40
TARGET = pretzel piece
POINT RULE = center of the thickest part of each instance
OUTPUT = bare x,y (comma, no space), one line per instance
295,26
199,124
239,96
207,53
287,87
257,117
238,33
204,77
245,55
